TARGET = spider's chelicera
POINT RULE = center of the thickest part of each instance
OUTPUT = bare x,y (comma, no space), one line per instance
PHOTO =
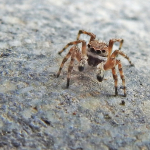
95,53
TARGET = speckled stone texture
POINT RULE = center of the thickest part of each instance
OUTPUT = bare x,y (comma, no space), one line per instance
37,112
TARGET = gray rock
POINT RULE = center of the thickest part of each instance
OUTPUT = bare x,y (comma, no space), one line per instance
38,111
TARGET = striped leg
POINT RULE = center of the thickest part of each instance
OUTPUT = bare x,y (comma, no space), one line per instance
65,59
75,43
122,76
111,43
115,80
70,68
116,52
84,57
93,36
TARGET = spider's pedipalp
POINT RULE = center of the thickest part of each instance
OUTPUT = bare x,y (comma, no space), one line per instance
100,72
100,76
82,63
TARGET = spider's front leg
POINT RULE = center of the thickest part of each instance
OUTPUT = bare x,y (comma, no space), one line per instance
116,78
74,52
111,63
65,59
102,67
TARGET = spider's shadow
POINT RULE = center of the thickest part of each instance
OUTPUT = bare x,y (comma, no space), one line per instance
86,82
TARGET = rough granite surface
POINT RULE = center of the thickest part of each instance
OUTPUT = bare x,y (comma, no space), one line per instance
37,111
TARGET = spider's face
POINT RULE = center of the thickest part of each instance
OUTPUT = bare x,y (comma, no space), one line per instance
99,52
98,48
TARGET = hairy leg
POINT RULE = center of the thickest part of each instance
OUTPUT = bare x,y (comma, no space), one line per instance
93,36
115,80
70,67
111,43
84,57
75,43
119,52
66,58
122,76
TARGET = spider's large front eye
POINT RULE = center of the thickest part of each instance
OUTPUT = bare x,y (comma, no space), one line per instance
88,45
98,52
92,50
103,51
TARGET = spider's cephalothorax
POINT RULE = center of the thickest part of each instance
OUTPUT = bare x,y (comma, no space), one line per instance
96,53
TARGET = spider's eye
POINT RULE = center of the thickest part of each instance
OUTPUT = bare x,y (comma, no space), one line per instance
103,51
92,50
88,45
98,52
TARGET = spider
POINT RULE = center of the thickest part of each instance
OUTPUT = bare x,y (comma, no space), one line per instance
97,54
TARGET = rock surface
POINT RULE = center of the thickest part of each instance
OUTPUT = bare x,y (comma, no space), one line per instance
36,109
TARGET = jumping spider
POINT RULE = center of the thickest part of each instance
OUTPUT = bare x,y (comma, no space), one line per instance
96,53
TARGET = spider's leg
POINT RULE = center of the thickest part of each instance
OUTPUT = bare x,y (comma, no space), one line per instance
73,43
122,76
70,67
80,56
93,36
115,80
75,54
119,52
110,64
111,43
65,59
